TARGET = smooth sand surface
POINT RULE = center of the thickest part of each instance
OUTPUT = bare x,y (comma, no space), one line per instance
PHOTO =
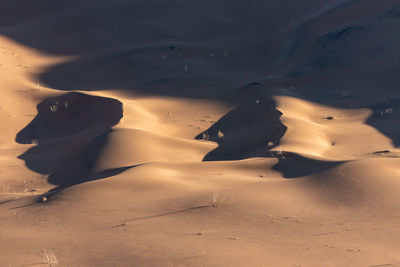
199,133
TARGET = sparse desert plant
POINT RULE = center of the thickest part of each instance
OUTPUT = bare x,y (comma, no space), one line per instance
205,136
53,108
215,201
25,187
5,188
280,154
49,257
270,144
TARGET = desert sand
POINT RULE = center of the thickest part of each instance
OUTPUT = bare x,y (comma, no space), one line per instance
199,133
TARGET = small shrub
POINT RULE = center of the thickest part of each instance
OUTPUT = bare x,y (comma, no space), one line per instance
49,257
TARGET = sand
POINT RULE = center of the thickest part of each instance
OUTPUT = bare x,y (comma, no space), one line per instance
208,133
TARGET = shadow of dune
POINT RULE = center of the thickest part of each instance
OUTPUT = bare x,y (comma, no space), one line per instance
162,69
143,47
98,25
69,132
384,118
253,130
245,132
292,165
71,114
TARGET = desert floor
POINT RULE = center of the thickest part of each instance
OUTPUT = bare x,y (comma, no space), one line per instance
199,133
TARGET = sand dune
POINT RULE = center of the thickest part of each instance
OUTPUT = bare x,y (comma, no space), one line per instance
211,133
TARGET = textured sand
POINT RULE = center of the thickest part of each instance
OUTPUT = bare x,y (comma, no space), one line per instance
199,133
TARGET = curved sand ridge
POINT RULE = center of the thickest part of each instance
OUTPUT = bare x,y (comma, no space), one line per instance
265,140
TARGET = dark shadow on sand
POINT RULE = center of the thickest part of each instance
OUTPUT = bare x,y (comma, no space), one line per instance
70,132
250,130
253,130
293,165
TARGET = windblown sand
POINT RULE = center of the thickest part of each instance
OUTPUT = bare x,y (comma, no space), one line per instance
199,133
